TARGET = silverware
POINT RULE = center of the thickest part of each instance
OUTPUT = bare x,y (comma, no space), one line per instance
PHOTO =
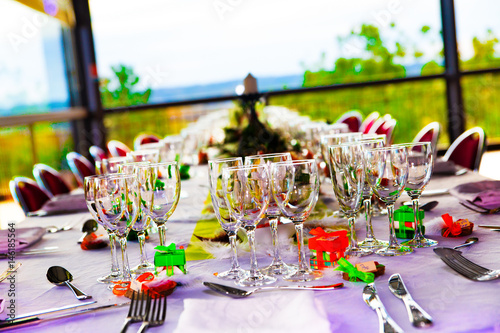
62,308
479,209
156,315
430,193
28,321
44,250
9,271
386,323
239,293
60,276
467,268
418,317
489,226
138,311
468,242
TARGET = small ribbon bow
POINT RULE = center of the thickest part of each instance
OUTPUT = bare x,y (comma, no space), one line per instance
353,272
166,249
451,227
318,232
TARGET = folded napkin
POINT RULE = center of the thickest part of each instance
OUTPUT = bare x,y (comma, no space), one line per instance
444,168
25,237
282,311
483,192
488,199
62,204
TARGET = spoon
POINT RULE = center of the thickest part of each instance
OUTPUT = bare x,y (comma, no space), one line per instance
53,229
60,276
88,227
239,293
468,242
426,206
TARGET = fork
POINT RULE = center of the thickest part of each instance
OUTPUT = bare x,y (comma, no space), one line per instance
156,315
479,209
466,267
138,311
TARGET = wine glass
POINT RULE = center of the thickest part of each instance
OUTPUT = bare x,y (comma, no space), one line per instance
387,173
89,183
277,267
160,186
144,155
110,165
246,192
227,223
370,242
117,203
295,187
142,223
420,161
347,169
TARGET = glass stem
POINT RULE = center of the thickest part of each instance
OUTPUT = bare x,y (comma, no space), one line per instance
354,240
368,216
393,241
273,225
418,222
161,234
300,245
234,251
115,268
142,239
125,265
253,255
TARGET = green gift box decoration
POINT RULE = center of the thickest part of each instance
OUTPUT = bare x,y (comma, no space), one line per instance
403,222
170,256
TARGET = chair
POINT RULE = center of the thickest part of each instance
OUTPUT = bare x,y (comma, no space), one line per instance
145,138
97,153
467,150
352,119
368,122
50,180
117,148
80,166
384,125
429,133
28,194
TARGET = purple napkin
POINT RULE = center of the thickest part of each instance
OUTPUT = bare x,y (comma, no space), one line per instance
488,199
63,204
487,191
25,237
444,168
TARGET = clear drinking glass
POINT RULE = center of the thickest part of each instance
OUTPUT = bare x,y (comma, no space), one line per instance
387,173
227,223
160,187
117,203
347,169
89,190
246,191
144,155
295,187
420,162
273,213
110,165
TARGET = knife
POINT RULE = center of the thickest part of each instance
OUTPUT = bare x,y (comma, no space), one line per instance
489,226
418,317
37,313
386,323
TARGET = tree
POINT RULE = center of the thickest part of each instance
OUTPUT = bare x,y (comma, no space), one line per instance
126,92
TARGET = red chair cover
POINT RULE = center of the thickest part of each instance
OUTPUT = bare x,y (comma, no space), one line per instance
28,194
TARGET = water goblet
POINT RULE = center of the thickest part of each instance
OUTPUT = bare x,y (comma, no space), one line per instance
229,224
347,169
420,161
160,187
110,165
144,155
295,187
387,173
89,190
117,203
246,192
273,213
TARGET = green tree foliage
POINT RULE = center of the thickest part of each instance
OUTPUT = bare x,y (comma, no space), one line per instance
126,92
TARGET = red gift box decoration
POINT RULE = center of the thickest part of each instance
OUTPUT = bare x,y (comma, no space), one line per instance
327,247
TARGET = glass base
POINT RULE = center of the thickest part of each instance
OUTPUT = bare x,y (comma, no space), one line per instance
233,274
303,276
422,242
110,278
143,268
338,214
372,244
394,250
357,252
256,280
278,267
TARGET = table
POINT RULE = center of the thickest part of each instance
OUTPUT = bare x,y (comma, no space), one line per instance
455,303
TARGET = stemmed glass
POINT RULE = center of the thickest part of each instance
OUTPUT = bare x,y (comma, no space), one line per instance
144,155
160,186
273,213
347,169
387,173
227,223
110,165
246,191
89,183
142,223
420,161
295,186
117,204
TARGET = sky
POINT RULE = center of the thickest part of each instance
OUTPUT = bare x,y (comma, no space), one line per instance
173,43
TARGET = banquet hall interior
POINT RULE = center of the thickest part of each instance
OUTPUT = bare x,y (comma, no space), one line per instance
88,83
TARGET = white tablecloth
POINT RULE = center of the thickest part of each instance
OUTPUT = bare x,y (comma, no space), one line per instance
455,303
